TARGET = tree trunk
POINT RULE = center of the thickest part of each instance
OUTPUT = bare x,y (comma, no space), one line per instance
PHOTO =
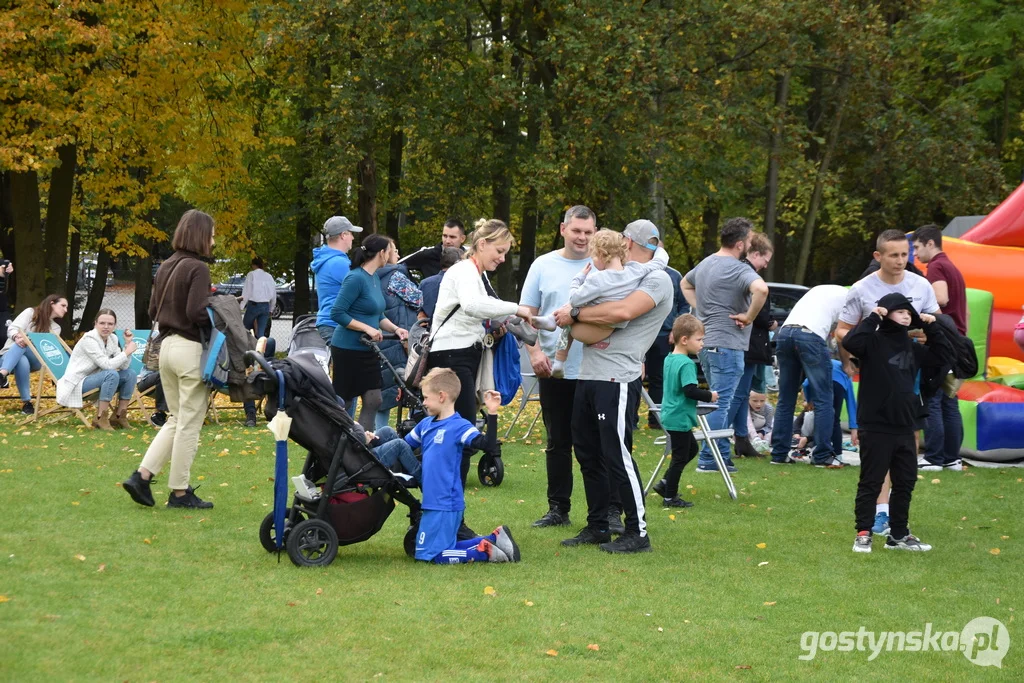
144,286
811,218
688,263
774,152
71,285
28,239
366,172
710,217
395,148
99,282
58,218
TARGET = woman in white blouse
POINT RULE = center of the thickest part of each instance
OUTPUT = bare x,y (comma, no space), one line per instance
17,357
458,343
97,361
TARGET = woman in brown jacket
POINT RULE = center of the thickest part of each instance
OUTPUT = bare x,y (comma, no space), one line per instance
178,305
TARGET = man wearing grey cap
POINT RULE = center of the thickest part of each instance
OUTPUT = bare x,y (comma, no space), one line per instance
726,295
607,393
330,266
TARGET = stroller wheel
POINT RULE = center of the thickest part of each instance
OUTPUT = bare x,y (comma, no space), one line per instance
312,543
410,540
267,537
491,470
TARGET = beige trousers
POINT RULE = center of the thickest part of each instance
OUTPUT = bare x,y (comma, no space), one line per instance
187,399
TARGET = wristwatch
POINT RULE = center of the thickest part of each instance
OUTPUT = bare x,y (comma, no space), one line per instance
574,313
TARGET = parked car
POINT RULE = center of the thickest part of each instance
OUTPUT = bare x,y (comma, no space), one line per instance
87,273
783,298
286,298
231,287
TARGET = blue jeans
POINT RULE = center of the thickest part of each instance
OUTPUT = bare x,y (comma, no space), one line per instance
326,333
798,350
943,430
395,451
110,382
21,361
257,312
739,409
723,369
382,419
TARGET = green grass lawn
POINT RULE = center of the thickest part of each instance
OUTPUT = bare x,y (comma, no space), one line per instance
93,586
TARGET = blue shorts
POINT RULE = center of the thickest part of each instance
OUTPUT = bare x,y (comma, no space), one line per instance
438,532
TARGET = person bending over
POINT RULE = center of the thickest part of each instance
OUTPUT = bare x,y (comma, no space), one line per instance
441,438
613,279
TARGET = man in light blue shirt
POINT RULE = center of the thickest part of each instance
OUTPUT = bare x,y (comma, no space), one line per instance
330,266
545,290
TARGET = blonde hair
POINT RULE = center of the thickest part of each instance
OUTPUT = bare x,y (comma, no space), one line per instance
607,245
489,230
443,379
686,325
760,244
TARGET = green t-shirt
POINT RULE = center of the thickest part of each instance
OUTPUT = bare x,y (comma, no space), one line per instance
678,412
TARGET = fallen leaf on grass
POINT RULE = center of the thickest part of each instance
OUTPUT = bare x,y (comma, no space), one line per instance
552,653
292,604
994,551
1005,538
489,590
527,603
743,666
672,517
770,604
936,481
762,546
75,502
224,484
80,557
147,541
201,478
761,564
101,568
594,646
319,591
4,598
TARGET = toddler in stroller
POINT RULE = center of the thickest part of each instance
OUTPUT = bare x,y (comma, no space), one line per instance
350,493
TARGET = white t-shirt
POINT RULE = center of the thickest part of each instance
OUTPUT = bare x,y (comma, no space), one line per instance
818,309
864,295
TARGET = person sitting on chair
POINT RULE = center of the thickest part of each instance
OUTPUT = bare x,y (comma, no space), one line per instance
17,357
97,361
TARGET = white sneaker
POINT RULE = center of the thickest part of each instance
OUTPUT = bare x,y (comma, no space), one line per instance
544,322
503,541
928,467
955,466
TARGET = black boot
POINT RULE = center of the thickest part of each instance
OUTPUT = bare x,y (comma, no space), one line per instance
745,449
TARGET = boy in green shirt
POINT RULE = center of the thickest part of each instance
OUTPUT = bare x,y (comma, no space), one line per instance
679,404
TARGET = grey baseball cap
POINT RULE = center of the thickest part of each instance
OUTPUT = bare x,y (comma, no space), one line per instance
644,233
336,225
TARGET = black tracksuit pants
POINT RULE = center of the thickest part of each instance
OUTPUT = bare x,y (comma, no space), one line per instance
684,449
556,402
880,453
602,435
465,363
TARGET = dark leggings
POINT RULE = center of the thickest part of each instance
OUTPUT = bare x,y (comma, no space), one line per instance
684,448
465,362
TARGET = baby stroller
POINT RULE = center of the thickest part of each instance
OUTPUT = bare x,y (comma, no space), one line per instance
490,469
345,494
306,339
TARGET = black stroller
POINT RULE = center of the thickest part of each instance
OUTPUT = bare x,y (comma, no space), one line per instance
345,494
490,469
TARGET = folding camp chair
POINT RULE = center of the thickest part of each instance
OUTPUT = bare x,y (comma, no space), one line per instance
141,338
530,392
54,356
707,434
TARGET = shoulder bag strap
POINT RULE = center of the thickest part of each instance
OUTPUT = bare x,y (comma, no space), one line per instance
446,319
163,294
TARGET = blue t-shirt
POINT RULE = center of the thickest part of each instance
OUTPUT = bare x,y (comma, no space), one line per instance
842,379
360,299
441,443
430,286
331,267
547,289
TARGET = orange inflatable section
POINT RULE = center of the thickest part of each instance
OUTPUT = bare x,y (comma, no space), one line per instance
1004,227
999,270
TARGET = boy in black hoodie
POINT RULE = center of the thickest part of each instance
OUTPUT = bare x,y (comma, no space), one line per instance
888,402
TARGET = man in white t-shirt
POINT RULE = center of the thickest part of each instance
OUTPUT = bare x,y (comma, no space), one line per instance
892,251
801,346
546,288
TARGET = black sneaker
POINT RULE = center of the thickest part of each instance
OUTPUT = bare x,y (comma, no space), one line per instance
158,419
189,500
465,533
628,543
554,517
139,489
27,408
615,525
250,421
4,384
784,460
660,488
676,502
588,536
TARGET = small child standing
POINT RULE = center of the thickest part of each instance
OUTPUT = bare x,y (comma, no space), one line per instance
679,404
887,408
441,438
613,280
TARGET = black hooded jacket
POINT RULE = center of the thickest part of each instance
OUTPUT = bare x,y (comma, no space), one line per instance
889,398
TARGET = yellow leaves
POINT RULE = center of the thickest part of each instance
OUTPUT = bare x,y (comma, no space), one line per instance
1005,538
147,541
224,484
994,551
101,568
80,557
223,453
4,598
75,503
672,517
489,590
936,481
761,546
552,653
319,591
594,647
770,604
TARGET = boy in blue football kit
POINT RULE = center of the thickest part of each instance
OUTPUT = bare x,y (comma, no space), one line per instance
441,438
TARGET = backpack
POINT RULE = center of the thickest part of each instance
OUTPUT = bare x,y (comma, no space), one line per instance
965,360
214,363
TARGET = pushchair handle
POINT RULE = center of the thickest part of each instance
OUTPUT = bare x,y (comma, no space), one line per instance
385,336
257,357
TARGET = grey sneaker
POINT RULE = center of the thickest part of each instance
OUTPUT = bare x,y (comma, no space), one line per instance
908,542
503,540
521,330
862,544
628,543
